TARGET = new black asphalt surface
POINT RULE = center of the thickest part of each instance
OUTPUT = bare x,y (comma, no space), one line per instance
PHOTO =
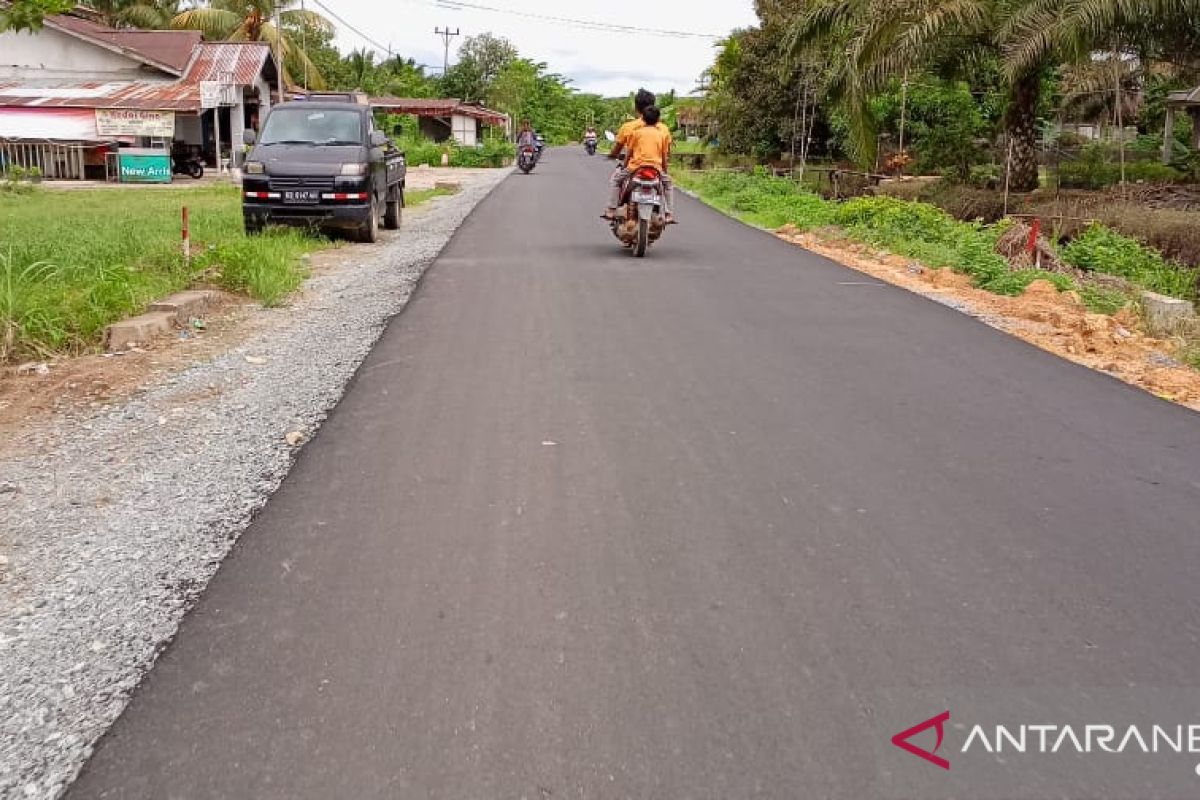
589,526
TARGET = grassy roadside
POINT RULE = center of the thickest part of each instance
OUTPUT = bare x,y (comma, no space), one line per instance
930,235
936,239
73,262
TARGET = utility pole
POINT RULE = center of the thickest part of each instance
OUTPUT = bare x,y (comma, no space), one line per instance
304,42
903,116
446,35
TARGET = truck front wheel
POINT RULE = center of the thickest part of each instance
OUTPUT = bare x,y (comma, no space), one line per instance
369,232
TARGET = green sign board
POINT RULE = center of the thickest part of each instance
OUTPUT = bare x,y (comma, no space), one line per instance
145,168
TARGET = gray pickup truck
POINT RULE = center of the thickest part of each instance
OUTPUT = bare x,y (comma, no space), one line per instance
322,164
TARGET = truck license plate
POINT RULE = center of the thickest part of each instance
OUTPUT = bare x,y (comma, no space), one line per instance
301,196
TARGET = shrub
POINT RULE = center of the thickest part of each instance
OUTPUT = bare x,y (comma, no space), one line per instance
492,152
1099,249
1097,169
1176,234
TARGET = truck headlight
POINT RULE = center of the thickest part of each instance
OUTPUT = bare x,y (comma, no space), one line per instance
354,169
254,168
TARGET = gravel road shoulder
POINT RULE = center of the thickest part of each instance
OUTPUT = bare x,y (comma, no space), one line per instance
113,520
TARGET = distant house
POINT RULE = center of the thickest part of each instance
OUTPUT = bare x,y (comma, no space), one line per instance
1187,102
445,118
75,91
695,121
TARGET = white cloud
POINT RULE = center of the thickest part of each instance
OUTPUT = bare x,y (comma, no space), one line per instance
606,62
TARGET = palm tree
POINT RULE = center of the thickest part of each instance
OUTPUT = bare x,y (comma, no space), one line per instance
146,14
1166,31
270,21
153,15
885,39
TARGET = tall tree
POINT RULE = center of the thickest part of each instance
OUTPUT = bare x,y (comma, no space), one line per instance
272,21
27,15
886,39
480,60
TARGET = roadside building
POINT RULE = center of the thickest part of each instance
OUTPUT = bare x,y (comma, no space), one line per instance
1185,101
445,118
76,95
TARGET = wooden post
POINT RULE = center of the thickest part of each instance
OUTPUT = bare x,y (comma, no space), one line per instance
1007,173
1169,136
187,239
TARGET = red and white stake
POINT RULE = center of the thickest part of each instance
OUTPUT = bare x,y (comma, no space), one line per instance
187,239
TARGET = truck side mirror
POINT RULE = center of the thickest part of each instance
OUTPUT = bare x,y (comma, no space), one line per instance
248,136
378,139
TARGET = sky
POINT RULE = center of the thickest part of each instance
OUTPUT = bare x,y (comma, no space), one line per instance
611,63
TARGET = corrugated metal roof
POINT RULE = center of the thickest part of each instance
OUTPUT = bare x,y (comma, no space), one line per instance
437,107
1184,96
171,50
243,60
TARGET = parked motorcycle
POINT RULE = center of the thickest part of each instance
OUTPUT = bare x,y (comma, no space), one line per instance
527,158
187,164
639,220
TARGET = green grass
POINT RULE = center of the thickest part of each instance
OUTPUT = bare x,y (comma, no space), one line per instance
415,197
930,235
684,146
1099,249
73,262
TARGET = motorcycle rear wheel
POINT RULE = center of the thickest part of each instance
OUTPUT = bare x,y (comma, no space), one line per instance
196,171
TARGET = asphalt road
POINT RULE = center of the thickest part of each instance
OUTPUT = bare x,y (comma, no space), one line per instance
589,526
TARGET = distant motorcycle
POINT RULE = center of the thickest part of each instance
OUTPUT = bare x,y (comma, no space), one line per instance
527,158
639,220
189,164
589,144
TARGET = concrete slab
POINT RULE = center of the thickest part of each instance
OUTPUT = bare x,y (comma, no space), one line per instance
137,330
1167,315
188,305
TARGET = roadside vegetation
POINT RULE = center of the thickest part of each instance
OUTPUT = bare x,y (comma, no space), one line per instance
73,262
933,237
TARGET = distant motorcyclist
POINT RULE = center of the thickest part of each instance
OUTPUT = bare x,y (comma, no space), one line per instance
526,136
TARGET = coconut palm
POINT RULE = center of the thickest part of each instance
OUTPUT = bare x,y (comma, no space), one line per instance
271,21
1164,31
1091,90
154,15
884,39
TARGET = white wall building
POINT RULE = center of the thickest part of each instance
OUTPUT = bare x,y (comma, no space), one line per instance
74,91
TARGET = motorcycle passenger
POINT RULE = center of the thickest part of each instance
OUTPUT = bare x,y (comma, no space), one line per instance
641,101
526,136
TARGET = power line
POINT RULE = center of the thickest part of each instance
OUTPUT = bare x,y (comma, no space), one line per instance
381,48
464,5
